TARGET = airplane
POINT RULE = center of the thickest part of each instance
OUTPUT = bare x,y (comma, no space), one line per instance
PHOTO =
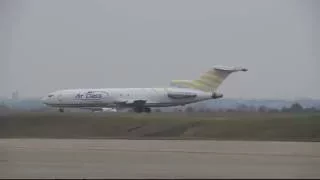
178,93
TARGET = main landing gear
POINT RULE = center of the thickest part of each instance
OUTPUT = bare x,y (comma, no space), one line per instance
142,109
61,110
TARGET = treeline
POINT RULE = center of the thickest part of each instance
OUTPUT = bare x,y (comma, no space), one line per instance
295,107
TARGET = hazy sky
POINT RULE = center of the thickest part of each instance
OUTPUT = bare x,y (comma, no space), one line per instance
48,45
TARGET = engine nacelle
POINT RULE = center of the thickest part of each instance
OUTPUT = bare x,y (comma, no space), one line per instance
216,95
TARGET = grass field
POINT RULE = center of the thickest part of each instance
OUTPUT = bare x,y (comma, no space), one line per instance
218,126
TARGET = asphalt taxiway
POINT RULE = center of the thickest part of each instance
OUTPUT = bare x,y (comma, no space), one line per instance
71,158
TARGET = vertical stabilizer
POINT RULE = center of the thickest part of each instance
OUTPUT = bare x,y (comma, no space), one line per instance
208,81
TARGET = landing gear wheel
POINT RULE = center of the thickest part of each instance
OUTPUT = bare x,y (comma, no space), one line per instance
147,110
138,109
61,110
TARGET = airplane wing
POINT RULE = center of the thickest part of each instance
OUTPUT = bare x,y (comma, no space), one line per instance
100,109
130,103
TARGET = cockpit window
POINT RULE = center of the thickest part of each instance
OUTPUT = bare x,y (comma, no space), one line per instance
50,95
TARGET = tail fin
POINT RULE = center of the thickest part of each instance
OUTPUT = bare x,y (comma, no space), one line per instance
209,81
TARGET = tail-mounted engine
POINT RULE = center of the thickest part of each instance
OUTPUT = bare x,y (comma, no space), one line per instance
216,95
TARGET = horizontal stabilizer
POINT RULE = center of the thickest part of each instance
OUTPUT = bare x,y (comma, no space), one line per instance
230,69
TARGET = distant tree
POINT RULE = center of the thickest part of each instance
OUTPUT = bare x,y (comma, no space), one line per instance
273,110
242,107
296,107
263,109
4,108
230,110
252,109
284,109
220,110
313,109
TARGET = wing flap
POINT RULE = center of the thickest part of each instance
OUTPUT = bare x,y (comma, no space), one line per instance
131,102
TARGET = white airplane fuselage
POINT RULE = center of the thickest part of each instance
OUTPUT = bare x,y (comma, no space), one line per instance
125,97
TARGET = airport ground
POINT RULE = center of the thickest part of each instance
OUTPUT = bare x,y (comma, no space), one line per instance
125,145
79,158
217,126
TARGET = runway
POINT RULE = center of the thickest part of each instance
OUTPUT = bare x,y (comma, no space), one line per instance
68,158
